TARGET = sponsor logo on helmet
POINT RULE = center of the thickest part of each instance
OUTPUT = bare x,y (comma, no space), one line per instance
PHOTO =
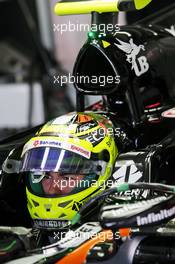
54,143
52,224
36,143
80,150
40,143
84,127
58,144
94,137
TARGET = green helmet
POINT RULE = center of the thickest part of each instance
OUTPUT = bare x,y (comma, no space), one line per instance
66,163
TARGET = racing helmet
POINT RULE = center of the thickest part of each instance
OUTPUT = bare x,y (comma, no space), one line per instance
68,161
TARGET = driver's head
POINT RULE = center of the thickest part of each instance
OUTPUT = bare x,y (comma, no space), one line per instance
66,163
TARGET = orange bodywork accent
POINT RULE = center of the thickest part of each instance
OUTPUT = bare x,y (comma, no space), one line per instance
124,232
79,255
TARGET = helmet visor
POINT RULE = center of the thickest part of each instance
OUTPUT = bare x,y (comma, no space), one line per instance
45,159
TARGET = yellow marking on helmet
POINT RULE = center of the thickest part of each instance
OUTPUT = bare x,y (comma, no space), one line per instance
58,129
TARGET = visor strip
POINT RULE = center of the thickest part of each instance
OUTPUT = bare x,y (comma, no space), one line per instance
60,160
46,153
